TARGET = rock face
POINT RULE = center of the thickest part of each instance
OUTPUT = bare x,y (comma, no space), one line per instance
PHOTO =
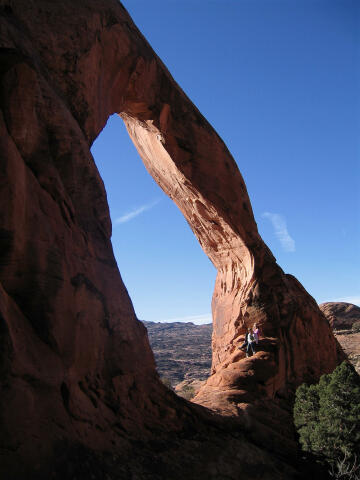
182,350
76,365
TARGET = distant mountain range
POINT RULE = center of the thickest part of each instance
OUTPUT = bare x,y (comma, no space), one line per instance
183,350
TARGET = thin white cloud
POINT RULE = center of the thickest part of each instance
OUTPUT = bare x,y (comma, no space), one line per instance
134,213
281,231
355,299
197,319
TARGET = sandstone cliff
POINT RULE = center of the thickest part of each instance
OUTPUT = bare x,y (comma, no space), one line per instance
77,371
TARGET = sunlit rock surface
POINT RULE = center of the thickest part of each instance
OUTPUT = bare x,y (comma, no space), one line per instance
77,373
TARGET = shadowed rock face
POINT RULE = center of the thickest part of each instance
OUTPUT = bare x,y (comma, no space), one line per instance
76,366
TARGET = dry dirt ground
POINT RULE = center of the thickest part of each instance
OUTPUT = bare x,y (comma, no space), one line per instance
182,351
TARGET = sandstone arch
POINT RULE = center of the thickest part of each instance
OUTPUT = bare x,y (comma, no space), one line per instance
76,364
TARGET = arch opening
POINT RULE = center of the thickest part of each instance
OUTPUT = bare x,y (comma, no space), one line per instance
169,279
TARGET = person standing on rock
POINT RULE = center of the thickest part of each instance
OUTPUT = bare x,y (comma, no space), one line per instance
250,343
256,332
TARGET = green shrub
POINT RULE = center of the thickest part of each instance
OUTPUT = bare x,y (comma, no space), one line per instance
356,327
187,392
167,382
327,417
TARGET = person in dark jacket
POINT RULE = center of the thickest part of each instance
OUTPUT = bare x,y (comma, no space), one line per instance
244,345
250,342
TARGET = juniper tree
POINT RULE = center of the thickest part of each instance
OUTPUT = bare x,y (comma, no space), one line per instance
327,415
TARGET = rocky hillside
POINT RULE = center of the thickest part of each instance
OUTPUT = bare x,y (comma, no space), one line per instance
183,350
341,315
345,321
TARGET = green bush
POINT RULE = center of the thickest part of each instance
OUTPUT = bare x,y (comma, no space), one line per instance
356,327
187,392
167,382
327,417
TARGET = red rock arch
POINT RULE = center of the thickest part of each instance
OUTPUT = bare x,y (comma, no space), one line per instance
76,364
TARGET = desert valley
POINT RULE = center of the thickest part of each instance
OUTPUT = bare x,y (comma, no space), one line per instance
183,350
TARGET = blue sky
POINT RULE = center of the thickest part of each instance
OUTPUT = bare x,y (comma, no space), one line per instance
279,82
